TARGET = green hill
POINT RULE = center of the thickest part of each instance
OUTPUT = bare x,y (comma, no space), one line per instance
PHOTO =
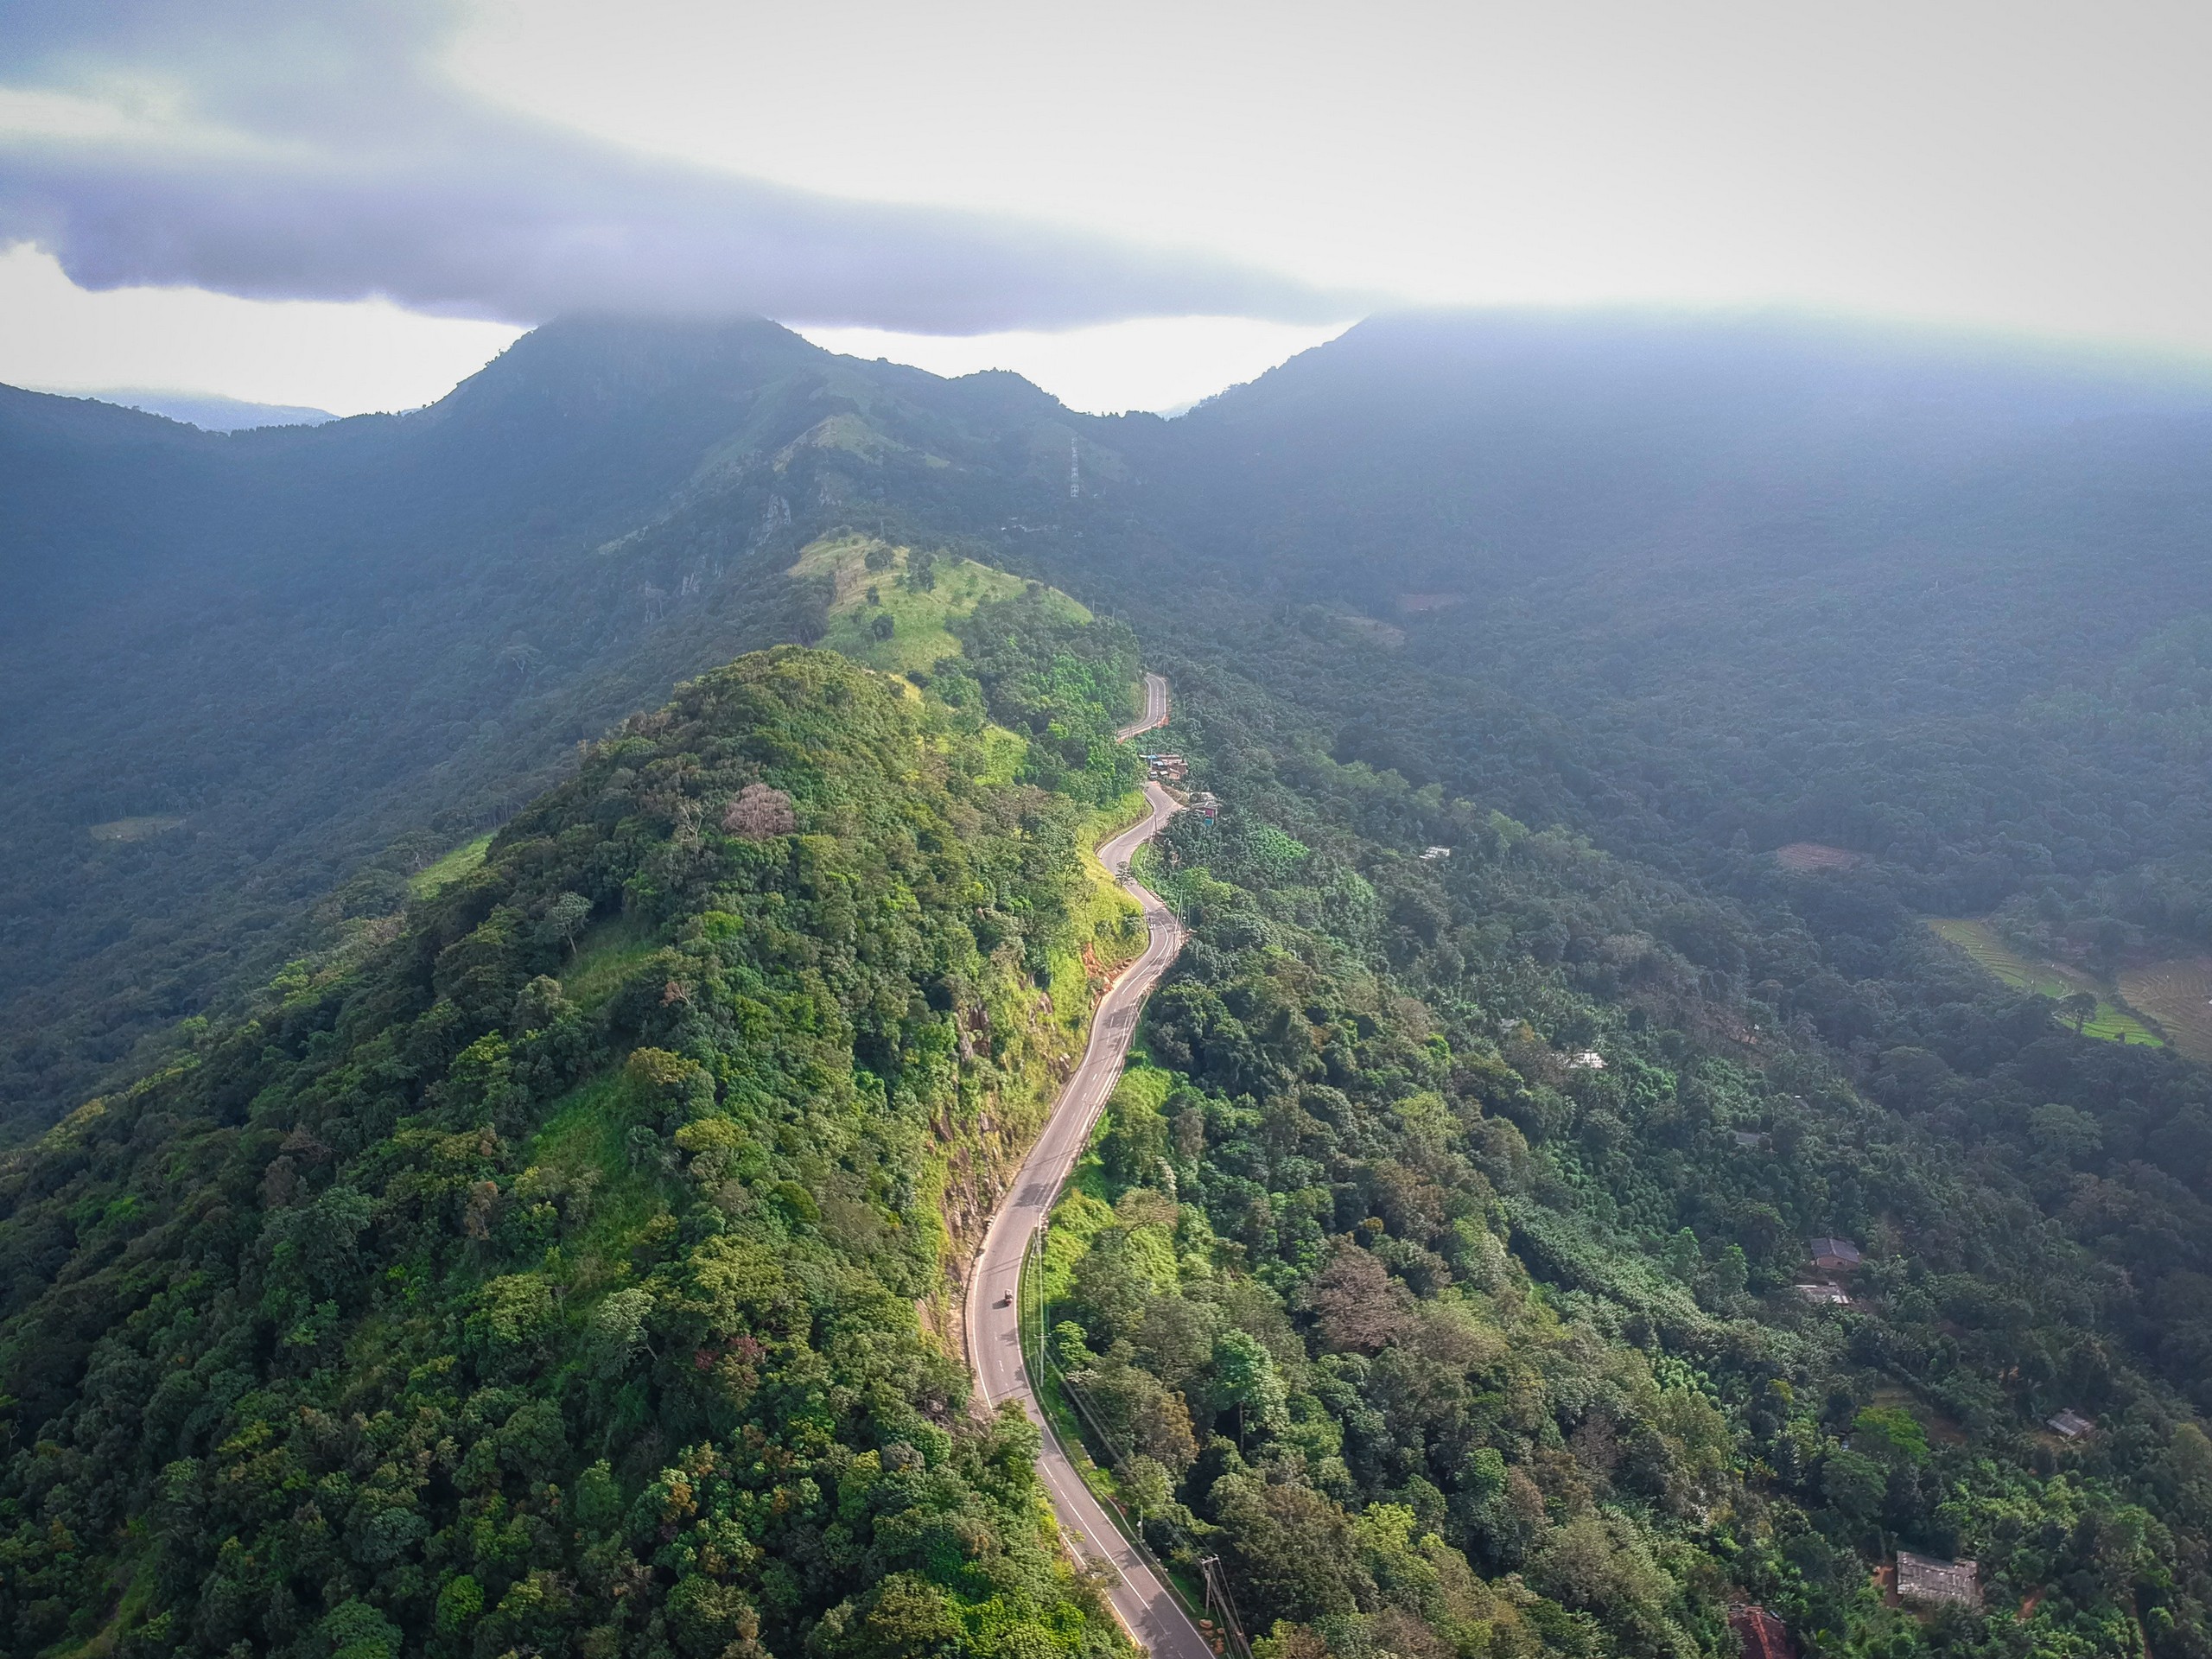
549,1280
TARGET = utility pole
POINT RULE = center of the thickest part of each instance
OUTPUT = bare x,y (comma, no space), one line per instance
1218,1604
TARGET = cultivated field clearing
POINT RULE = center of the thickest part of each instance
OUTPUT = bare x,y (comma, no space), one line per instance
2113,1021
1812,855
2177,994
133,828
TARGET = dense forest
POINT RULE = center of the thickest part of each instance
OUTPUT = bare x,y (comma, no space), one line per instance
1452,1232
1437,1268
548,1282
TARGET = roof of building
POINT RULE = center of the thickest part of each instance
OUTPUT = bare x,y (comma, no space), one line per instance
1927,1578
2072,1424
1839,1251
1763,1635
1833,1295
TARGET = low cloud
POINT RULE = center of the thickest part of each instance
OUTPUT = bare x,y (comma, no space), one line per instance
279,151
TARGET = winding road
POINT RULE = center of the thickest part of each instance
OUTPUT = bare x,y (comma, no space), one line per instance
1146,1607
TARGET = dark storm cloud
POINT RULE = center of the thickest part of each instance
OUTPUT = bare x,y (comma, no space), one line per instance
319,157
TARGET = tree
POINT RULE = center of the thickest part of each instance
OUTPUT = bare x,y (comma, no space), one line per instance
1245,1377
2081,1007
1355,1301
565,918
759,813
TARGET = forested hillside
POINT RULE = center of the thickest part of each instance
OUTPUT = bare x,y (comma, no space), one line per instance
1675,583
252,683
1454,1228
1817,723
549,1282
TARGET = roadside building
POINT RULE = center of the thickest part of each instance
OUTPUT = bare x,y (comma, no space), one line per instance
1927,1578
1207,808
1834,1255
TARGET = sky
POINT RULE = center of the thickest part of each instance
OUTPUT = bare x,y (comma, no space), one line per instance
353,204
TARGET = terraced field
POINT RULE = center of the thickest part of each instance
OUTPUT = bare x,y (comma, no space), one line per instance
2177,994
2114,1020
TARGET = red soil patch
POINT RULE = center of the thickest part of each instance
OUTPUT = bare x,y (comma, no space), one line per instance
1812,855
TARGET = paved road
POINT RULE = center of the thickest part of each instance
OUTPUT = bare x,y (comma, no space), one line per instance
1155,708
1151,1613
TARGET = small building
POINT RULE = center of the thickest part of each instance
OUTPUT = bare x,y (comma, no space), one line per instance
2072,1424
1762,1635
1925,1578
1169,768
1435,853
1750,1140
1834,1255
1588,1059
1207,808
1828,1295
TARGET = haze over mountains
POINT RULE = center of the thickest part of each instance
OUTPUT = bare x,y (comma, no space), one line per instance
1800,583
212,414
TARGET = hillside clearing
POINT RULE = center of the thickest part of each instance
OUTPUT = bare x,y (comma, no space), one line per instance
918,615
2114,1021
468,856
2177,994
133,829
1803,855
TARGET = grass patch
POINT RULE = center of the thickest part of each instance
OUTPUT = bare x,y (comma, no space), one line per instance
1105,926
463,859
606,955
586,1142
1003,754
2113,1020
919,637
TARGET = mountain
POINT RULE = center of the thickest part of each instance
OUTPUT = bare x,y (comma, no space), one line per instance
248,671
213,413
1700,809
1674,582
662,1114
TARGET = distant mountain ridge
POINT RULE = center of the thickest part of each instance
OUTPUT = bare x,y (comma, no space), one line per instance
210,411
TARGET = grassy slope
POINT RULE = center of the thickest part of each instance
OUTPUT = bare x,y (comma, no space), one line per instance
2113,1022
919,617
461,860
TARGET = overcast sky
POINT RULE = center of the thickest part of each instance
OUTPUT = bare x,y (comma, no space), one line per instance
352,205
